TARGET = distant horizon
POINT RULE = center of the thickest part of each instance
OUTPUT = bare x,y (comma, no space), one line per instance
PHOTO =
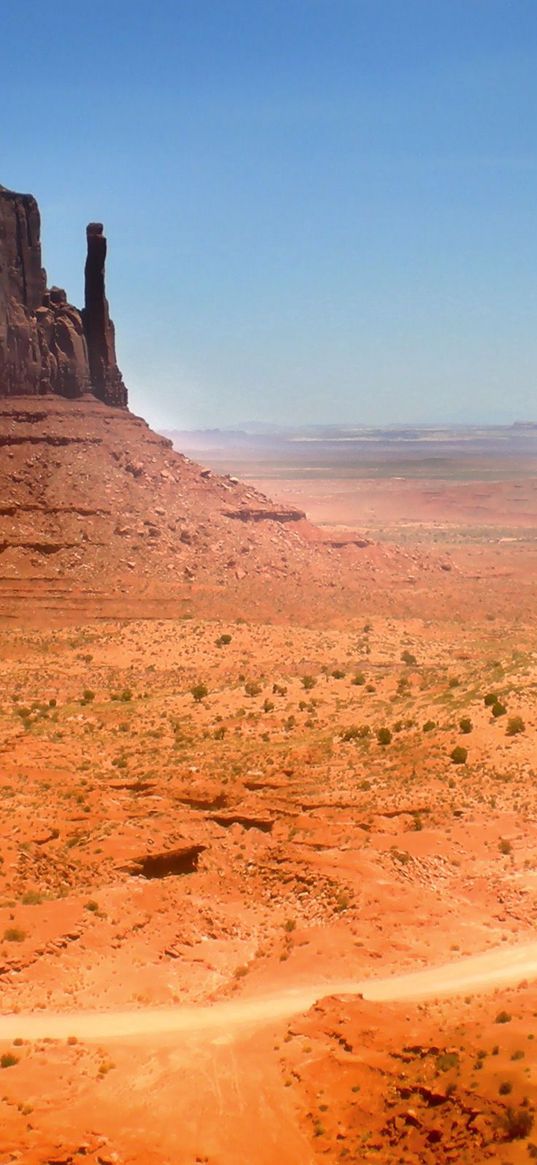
254,427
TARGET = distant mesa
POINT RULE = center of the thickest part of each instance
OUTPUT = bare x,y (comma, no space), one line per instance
47,346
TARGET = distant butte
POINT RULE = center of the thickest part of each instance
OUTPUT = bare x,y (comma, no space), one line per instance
47,346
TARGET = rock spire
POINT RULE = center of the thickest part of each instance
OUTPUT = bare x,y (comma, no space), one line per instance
46,344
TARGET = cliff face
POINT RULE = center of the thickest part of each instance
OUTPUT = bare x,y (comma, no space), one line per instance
46,344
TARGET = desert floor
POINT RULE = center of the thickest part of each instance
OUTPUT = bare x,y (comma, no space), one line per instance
268,885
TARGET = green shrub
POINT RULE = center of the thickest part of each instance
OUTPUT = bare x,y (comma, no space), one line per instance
429,725
408,658
498,709
223,640
465,725
199,692
384,736
490,699
459,755
13,934
8,1060
358,680
308,682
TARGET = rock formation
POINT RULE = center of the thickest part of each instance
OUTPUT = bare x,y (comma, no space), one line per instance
105,377
46,344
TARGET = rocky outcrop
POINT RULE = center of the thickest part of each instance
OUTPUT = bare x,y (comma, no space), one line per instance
106,380
46,344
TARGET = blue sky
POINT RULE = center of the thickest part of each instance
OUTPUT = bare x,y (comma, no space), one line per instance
317,210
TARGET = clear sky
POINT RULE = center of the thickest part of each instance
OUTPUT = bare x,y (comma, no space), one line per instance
317,210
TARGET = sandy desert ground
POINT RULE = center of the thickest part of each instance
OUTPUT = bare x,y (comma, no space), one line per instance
268,873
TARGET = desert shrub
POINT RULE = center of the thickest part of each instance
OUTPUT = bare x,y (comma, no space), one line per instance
338,674
429,725
454,682
358,680
126,695
465,725
199,692
88,695
356,732
515,725
32,898
498,709
505,846
490,699
517,1124
252,688
223,640
268,706
459,755
408,658
384,736
92,906
13,934
8,1060
308,682
503,1017
446,1061
505,1088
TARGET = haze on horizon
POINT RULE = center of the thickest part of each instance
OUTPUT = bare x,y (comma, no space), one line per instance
318,210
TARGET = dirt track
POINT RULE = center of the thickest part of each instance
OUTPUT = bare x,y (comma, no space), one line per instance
501,966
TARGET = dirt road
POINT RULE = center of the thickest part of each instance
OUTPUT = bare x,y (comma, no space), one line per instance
500,966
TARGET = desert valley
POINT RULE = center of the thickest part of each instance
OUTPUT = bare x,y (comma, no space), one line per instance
268,873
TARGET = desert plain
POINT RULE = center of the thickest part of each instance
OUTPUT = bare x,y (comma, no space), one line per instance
268,872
